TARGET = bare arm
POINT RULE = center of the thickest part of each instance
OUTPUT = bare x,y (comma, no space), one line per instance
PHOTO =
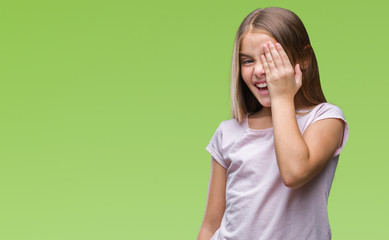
216,201
299,157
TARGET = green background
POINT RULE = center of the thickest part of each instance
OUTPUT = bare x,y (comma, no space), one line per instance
107,107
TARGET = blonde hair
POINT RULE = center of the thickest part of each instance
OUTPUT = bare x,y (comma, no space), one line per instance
287,28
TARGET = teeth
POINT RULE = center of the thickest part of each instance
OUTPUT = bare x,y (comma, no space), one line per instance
261,85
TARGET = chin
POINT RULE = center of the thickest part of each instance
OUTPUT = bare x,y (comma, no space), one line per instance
264,102
266,105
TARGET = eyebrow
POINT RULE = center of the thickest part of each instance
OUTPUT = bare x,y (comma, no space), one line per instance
243,55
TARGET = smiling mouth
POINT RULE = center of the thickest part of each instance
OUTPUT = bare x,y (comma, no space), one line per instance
262,86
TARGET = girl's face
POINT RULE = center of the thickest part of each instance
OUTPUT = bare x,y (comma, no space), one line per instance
252,70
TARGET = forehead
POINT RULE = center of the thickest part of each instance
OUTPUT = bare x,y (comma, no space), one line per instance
254,40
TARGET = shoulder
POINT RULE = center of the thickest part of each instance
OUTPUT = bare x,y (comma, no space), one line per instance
322,110
230,128
328,110
319,112
225,133
331,131
231,125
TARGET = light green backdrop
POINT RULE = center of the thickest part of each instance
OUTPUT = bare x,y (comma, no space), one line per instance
107,107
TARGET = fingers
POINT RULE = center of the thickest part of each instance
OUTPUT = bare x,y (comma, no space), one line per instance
275,58
269,57
283,55
265,65
277,66
274,54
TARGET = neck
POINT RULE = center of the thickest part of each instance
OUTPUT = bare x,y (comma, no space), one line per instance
265,111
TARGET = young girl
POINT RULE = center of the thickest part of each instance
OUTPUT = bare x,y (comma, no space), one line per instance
273,163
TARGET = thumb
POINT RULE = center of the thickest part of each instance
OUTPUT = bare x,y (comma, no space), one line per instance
298,75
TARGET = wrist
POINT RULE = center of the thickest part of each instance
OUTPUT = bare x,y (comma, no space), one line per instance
283,101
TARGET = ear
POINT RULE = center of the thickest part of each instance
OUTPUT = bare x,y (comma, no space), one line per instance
306,57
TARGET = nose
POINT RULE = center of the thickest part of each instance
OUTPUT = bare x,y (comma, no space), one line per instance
258,70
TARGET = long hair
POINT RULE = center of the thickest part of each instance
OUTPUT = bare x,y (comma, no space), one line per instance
287,28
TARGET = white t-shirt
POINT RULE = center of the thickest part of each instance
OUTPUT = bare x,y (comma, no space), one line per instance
258,204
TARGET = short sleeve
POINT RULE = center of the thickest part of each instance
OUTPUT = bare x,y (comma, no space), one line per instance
328,110
215,146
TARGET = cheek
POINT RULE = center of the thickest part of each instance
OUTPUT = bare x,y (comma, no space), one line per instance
246,74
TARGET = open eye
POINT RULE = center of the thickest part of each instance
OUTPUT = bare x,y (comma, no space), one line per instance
245,61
